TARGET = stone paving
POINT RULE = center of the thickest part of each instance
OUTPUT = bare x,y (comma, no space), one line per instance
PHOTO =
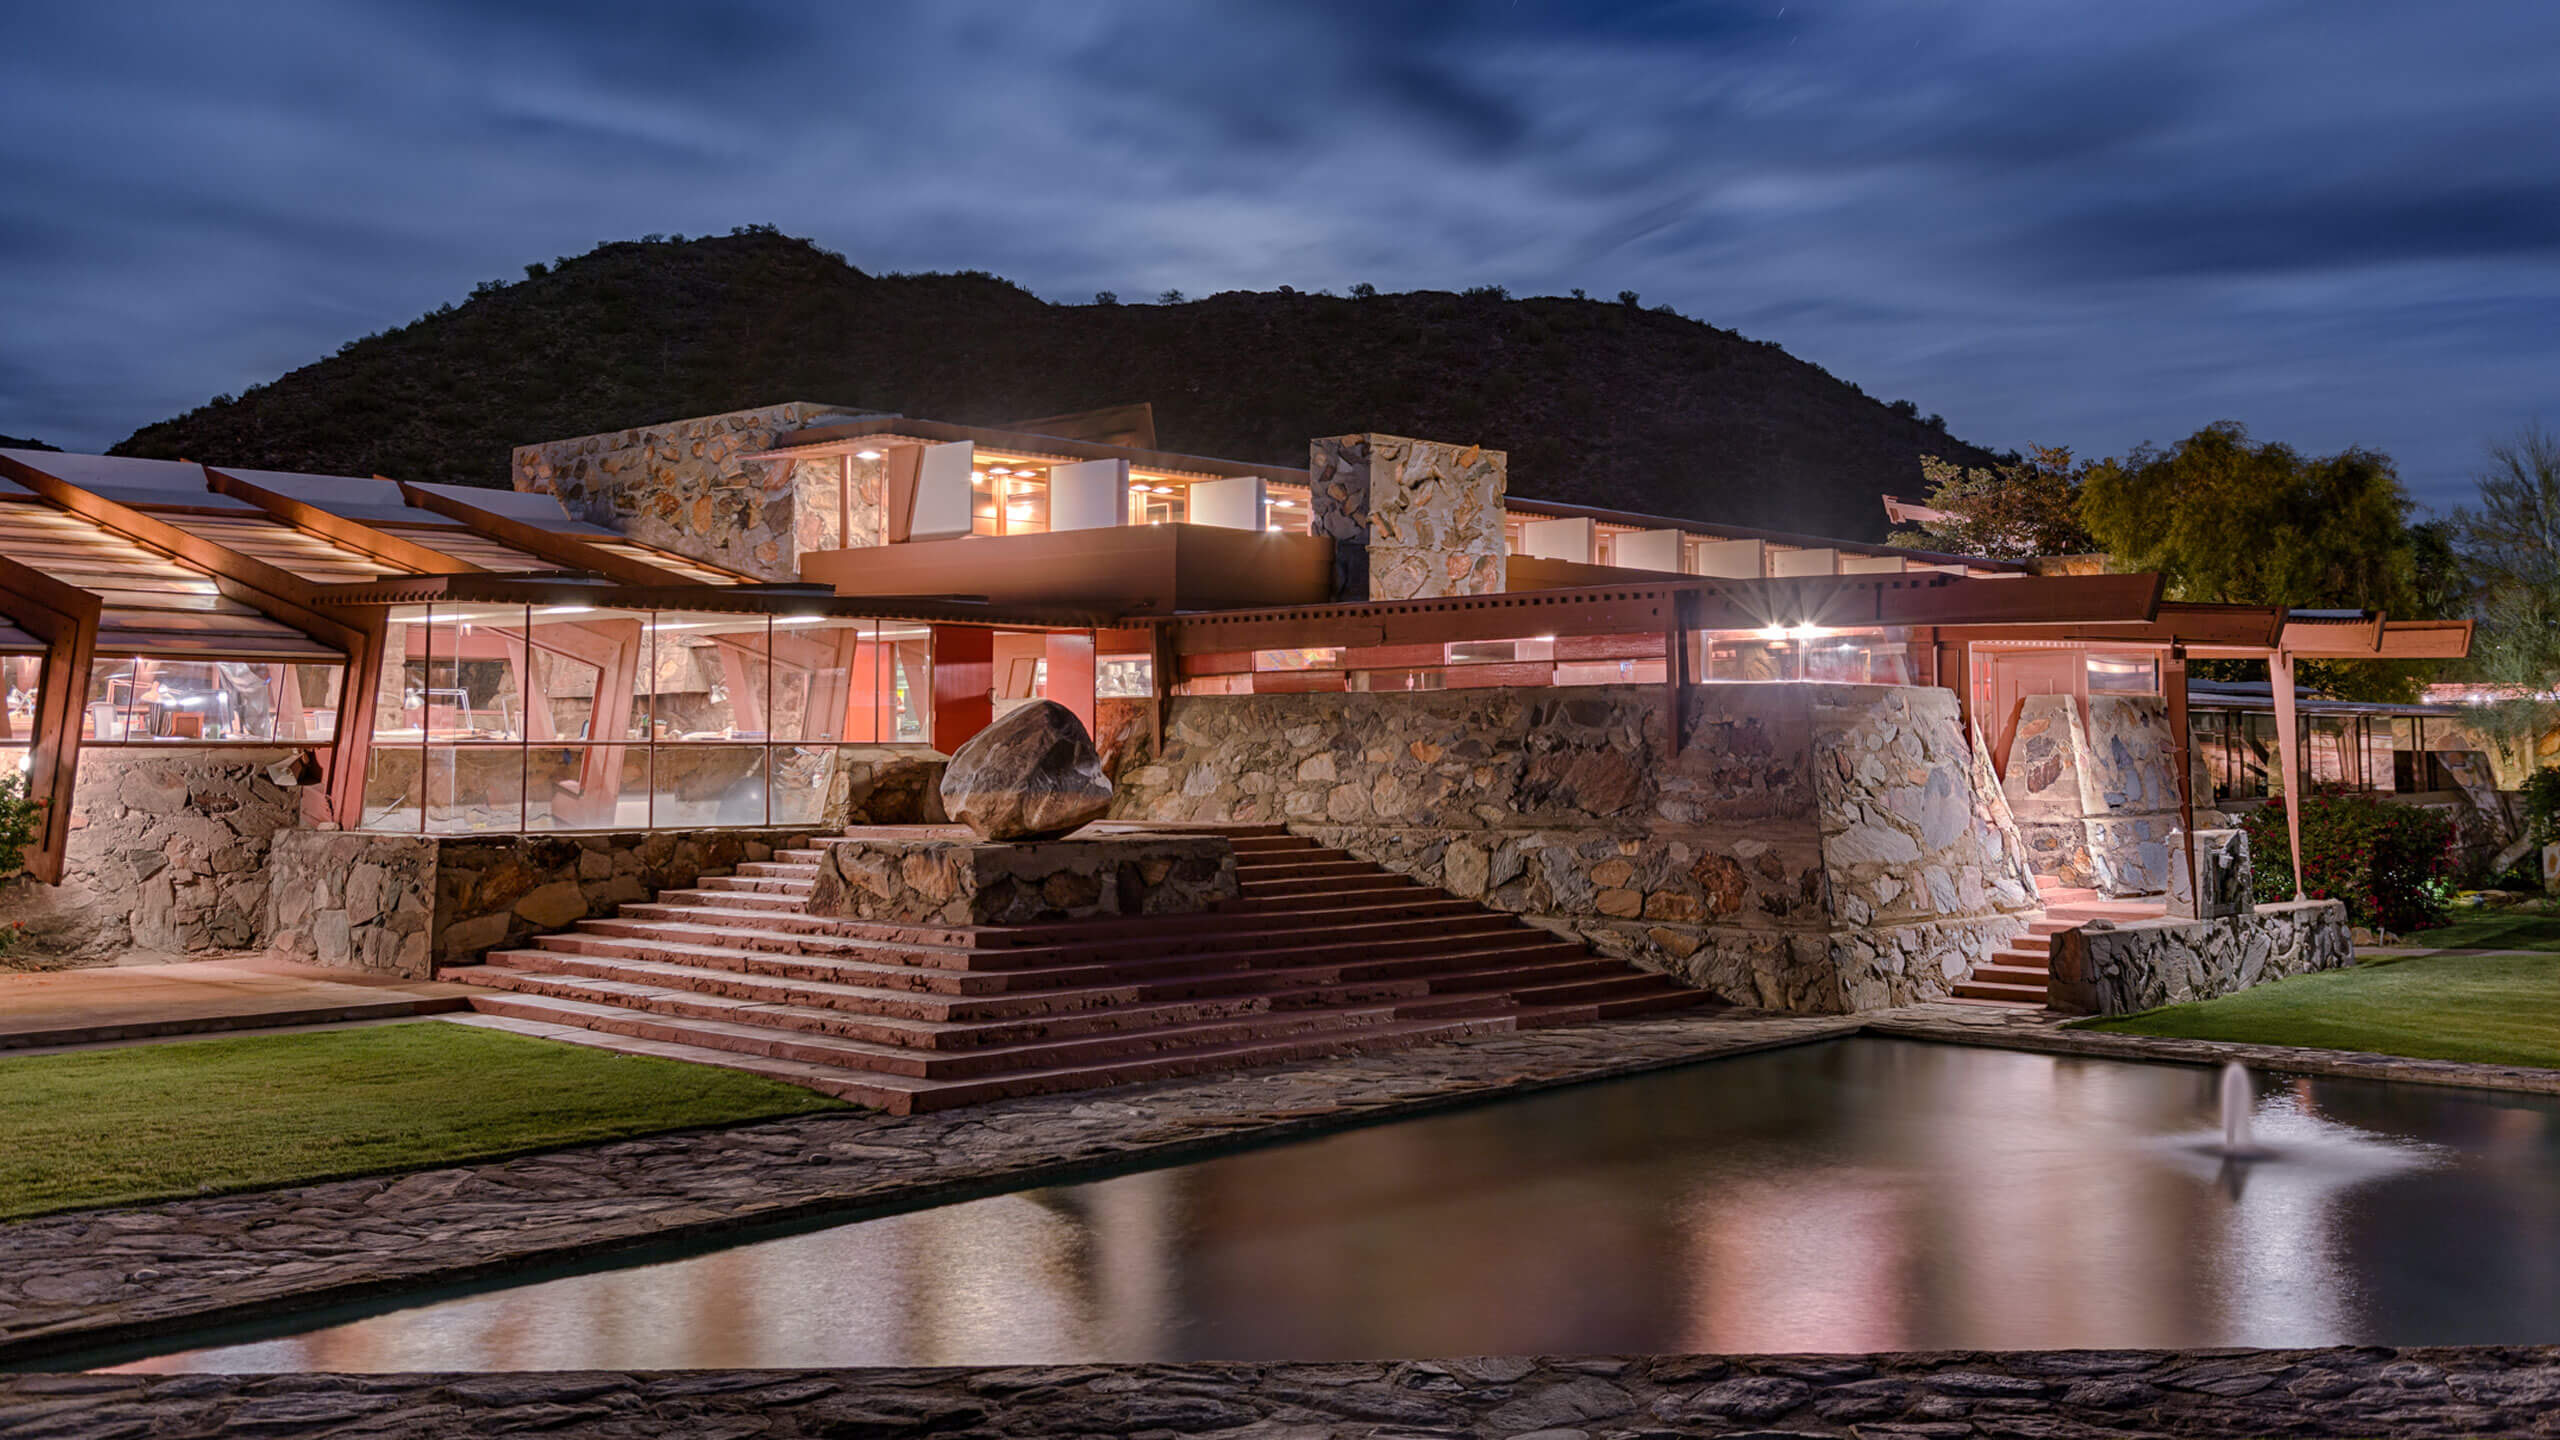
2054,1395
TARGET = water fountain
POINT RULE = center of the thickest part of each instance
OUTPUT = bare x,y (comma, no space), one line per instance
2239,1097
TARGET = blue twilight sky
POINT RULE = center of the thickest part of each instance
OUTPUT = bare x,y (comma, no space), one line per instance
2053,221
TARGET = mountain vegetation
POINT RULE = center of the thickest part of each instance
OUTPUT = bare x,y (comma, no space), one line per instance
1598,402
12,442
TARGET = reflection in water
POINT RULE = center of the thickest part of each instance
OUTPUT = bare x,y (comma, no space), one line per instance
1867,1194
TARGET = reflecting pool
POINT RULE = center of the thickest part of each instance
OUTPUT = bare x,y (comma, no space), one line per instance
1860,1195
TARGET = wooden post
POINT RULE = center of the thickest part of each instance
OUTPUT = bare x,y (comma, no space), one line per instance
2289,753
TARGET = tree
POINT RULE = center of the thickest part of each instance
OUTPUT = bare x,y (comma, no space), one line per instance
2509,542
2028,507
2262,524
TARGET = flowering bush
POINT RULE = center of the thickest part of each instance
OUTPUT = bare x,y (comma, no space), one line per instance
2388,862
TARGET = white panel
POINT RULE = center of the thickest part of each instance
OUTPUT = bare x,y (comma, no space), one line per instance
1558,539
1870,564
1729,559
1804,562
942,492
1647,550
1235,502
1089,495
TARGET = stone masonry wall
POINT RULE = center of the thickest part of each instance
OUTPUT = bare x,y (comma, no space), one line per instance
684,486
1817,848
2104,968
1409,518
346,899
940,880
167,858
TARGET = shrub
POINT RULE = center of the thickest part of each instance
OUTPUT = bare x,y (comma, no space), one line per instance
21,819
2388,862
2542,806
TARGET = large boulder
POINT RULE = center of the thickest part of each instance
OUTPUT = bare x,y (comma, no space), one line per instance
1033,775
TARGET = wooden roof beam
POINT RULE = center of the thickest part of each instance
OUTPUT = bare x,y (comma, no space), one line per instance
395,551
567,551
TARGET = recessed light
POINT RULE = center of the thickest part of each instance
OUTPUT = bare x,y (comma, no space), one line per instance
866,454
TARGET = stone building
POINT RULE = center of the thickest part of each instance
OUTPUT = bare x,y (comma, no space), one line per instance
389,725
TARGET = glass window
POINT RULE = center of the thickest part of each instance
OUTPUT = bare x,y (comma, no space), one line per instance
1124,677
133,699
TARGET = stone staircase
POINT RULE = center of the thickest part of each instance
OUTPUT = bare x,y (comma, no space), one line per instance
2020,972
1321,954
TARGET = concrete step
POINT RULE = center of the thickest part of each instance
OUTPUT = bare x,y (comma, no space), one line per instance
760,1037
1214,934
1361,881
1223,970
1994,972
900,1095
1998,990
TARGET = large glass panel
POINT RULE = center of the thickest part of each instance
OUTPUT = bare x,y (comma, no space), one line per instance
712,676
393,795
706,784
406,636
2331,756
133,699
475,683
906,684
800,777
1124,677
826,675
25,677
585,670
474,787
586,787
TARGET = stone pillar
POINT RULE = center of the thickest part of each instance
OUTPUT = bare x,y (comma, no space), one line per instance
1409,519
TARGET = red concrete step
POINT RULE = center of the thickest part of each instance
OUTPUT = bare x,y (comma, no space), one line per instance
1309,870
900,1095
1995,973
1365,880
1997,990
762,1037
1081,965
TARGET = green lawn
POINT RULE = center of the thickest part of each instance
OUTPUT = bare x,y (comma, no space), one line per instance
2498,1009
103,1127
2520,928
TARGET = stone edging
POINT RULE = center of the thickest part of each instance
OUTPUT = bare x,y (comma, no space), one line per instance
2032,1031
2466,1390
96,1278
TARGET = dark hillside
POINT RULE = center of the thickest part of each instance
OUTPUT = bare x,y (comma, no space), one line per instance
1598,402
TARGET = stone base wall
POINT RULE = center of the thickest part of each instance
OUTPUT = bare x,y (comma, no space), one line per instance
1819,848
947,880
354,901
408,904
2118,969
167,858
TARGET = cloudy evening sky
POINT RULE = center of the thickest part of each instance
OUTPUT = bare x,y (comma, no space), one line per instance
2052,222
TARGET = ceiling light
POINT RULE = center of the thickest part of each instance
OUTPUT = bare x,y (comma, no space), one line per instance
1164,489
866,454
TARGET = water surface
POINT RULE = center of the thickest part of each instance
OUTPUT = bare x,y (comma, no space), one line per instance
1860,1195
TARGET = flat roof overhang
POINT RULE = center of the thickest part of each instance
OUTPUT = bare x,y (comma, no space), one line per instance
1554,509
1838,602
495,588
843,438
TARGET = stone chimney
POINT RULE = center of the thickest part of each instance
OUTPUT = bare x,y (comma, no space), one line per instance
1409,519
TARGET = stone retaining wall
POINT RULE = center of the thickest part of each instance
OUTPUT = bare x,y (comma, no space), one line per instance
943,880
2118,968
406,904
1816,848
167,858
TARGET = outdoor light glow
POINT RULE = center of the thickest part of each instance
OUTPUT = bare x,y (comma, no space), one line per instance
564,610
